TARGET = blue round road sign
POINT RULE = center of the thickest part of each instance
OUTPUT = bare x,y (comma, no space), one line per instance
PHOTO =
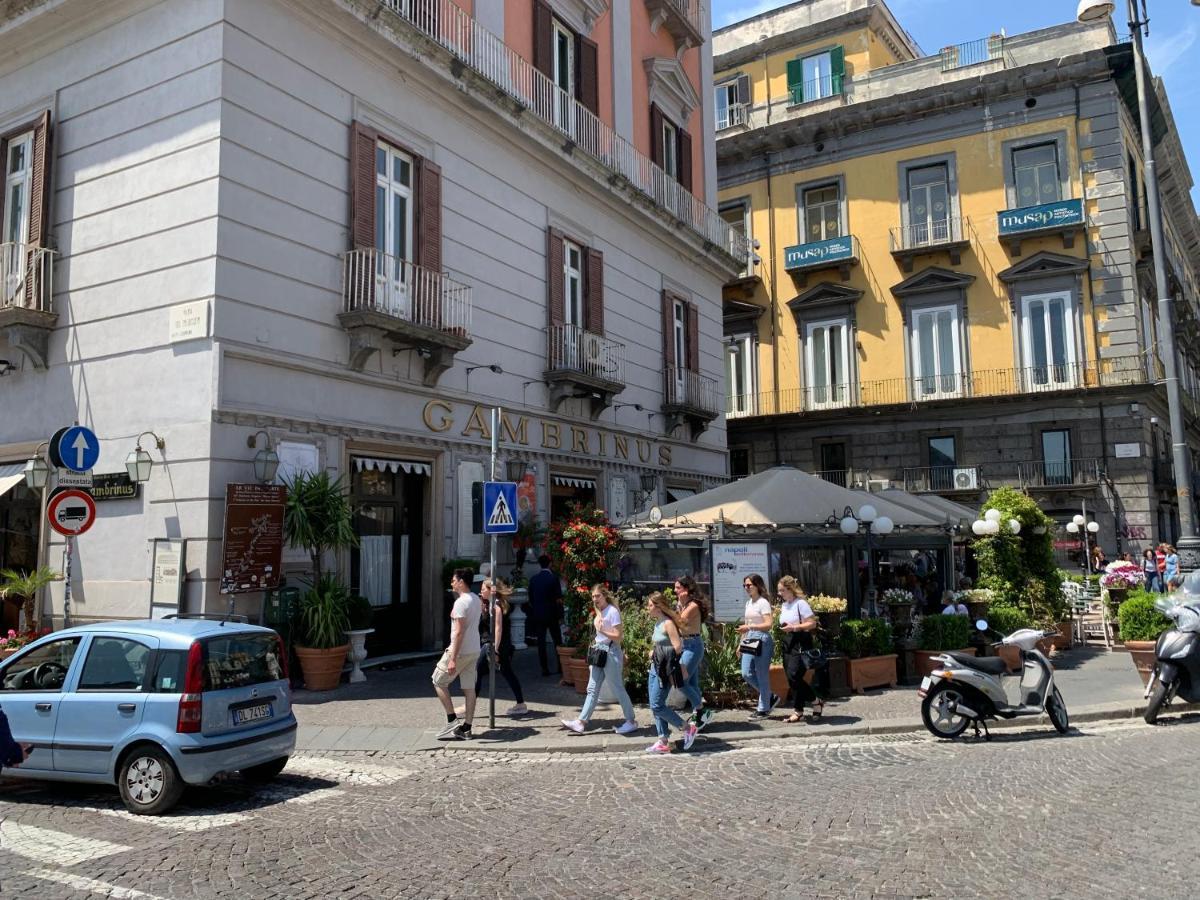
78,448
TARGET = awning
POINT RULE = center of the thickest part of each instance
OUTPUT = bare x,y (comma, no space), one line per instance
10,475
569,481
679,493
372,464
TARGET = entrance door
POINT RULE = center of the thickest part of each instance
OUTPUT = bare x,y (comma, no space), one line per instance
833,463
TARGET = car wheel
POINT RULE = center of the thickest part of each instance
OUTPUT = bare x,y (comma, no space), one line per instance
266,772
148,781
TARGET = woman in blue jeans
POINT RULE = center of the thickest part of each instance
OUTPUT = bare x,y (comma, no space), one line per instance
664,660
607,622
692,615
757,621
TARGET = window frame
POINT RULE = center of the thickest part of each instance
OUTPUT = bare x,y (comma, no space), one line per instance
573,275
956,347
148,674
61,689
1072,347
1067,475
742,345
950,161
742,203
563,107
1010,149
25,138
670,148
392,188
679,314
836,399
804,209
730,88
819,94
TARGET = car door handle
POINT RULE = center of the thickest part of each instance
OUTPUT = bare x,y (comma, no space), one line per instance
43,707
126,707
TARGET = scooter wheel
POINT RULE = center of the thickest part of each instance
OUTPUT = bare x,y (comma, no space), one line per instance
1159,697
939,712
1057,711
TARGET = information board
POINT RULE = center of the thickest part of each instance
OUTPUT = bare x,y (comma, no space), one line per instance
253,537
732,561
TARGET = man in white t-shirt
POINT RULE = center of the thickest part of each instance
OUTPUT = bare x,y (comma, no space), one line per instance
459,659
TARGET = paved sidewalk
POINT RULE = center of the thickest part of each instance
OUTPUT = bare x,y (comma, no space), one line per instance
396,710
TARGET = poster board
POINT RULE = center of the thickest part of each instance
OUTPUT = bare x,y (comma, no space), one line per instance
732,561
168,571
252,547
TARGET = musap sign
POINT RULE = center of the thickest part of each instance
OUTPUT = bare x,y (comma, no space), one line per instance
1036,218
731,562
801,256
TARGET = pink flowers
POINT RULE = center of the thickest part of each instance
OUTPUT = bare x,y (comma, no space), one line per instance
1121,574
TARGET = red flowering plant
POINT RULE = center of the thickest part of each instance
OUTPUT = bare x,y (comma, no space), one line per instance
582,548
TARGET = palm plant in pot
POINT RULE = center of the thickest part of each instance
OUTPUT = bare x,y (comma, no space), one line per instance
22,588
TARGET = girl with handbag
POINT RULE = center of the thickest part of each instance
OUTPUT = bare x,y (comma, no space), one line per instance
757,645
797,622
666,671
692,615
606,662
499,635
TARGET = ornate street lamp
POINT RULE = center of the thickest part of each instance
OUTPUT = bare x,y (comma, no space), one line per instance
37,473
870,523
138,463
266,460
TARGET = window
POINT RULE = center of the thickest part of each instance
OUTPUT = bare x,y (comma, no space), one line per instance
393,224
1048,339
826,370
943,457
739,375
737,216
833,463
679,337
1035,171
928,205
241,660
739,462
729,112
53,659
670,144
936,361
818,81
563,72
822,213
817,76
573,284
1135,199
18,177
1056,456
114,664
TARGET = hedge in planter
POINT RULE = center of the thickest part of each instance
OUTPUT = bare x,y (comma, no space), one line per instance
868,644
937,635
1141,623
1006,620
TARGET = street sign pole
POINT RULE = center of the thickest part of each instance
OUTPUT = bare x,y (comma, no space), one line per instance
492,574
67,582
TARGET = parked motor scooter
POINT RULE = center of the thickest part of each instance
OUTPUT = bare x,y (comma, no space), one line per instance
1177,652
967,690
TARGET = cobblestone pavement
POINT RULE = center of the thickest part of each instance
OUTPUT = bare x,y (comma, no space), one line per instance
1107,811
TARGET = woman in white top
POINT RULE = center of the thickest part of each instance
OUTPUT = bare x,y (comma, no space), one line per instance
797,622
953,606
756,626
607,622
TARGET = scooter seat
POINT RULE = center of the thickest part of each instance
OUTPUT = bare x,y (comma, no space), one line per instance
991,665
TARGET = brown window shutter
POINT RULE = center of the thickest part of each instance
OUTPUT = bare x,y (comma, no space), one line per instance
39,188
685,159
556,301
595,291
656,130
743,89
429,212
588,81
693,337
543,38
362,188
668,327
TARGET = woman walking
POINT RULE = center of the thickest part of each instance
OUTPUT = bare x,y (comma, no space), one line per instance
798,622
1150,570
665,671
692,615
607,663
498,634
1171,577
756,630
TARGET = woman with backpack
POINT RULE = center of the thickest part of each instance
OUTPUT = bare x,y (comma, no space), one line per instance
798,623
693,613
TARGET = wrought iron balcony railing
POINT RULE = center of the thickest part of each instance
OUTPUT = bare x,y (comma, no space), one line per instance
574,350
690,391
816,89
943,479
1059,473
395,287
971,53
733,115
930,233
26,277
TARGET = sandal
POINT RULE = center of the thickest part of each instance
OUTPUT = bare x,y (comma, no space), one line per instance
818,708
794,719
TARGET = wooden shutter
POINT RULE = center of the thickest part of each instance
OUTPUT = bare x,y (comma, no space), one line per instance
668,327
685,159
595,291
837,69
795,80
587,81
743,89
543,38
39,183
362,187
693,336
429,215
656,135
556,300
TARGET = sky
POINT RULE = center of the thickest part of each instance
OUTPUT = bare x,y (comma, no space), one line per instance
1173,46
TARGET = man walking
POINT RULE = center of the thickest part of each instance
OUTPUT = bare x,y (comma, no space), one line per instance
545,610
12,754
460,659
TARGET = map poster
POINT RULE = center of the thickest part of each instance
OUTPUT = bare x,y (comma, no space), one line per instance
253,539
731,563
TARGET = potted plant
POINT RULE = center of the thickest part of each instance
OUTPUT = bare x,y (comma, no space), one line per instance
977,601
22,588
14,641
829,612
358,615
867,644
939,634
1141,623
1119,579
318,518
1006,620
721,679
900,604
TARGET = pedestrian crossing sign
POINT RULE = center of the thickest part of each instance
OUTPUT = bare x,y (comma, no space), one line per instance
499,507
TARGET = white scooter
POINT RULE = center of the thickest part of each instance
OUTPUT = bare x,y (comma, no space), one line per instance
966,690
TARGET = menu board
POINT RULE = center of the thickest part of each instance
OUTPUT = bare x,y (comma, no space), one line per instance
169,569
253,537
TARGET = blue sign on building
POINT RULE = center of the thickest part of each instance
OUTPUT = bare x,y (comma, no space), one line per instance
1060,214
803,256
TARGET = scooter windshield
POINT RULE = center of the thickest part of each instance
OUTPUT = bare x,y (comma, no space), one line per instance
1186,615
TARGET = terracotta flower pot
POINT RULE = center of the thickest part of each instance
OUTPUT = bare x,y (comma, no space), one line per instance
564,664
580,673
322,669
925,662
1142,654
871,671
778,678
1062,641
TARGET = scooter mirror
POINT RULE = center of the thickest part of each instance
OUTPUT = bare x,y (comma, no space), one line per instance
981,624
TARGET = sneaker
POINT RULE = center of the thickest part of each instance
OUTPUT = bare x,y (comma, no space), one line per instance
460,733
759,714
627,728
519,709
659,746
447,728
689,735
705,717
573,725
775,700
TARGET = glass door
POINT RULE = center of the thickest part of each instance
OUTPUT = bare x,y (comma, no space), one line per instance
827,354
393,230
1048,336
17,178
928,206
935,353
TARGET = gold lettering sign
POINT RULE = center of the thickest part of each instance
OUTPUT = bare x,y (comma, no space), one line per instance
622,446
444,422
579,441
551,436
517,435
477,423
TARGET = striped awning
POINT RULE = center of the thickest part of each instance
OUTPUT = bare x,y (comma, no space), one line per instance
571,481
373,464
11,475
679,493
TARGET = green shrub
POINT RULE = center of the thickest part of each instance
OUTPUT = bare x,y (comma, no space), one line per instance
1139,619
323,614
865,637
637,634
1007,619
944,632
722,663
1020,568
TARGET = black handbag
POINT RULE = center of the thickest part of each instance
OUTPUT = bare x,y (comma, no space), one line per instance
751,646
597,656
814,659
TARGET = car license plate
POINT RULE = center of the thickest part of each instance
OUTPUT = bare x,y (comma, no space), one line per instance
252,714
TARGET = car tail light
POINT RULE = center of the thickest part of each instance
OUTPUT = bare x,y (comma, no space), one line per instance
191,701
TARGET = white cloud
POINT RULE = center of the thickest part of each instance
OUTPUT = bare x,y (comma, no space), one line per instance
1165,52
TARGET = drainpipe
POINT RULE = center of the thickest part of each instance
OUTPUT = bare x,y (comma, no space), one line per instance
1112,492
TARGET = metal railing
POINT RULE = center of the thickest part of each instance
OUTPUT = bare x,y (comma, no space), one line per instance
930,233
572,349
373,280
971,53
816,89
1059,473
26,277
939,479
840,477
446,23
689,11
733,115
683,388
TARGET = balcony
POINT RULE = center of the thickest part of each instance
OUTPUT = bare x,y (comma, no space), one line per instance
972,53
840,253
1067,474
27,313
824,88
1062,217
531,92
960,480
681,19
733,116
689,398
581,364
414,308
949,235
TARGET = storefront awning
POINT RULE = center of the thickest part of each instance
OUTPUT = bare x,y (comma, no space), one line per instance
10,475
372,464
679,493
570,481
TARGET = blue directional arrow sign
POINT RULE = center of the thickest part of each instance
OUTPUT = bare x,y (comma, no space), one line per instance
499,507
78,448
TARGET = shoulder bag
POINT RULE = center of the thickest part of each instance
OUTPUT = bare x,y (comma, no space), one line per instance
597,656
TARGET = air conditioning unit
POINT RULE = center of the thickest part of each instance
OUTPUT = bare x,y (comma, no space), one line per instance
966,479
879,484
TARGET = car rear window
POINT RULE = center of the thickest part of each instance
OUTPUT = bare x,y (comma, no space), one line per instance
239,660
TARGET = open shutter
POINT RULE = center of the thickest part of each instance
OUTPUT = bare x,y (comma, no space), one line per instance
362,188
587,81
743,89
595,291
668,327
685,159
428,309
795,80
693,337
837,69
556,301
656,135
543,38
39,186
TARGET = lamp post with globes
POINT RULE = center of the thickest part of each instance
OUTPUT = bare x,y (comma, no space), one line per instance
870,523
1080,525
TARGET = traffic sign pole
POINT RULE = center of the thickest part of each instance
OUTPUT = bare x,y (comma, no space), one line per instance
493,606
67,581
